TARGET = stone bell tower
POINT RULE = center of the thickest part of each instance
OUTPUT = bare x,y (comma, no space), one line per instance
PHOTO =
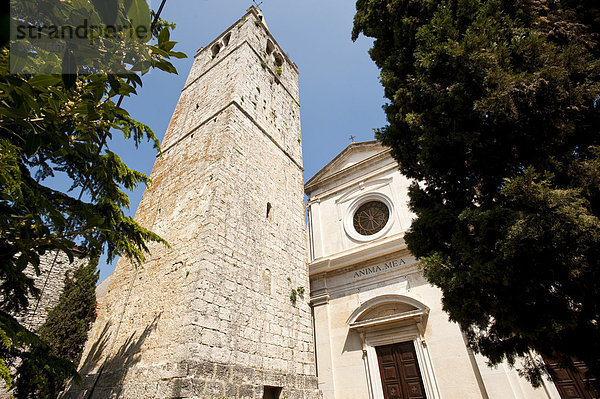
212,316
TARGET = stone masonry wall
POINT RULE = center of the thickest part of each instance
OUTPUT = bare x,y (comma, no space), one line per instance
51,282
244,73
211,316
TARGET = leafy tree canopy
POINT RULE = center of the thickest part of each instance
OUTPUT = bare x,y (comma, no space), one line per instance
494,107
62,124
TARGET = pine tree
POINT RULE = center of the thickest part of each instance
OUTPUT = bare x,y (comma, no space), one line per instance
494,108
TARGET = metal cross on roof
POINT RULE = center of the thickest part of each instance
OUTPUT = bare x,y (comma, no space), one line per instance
352,139
257,4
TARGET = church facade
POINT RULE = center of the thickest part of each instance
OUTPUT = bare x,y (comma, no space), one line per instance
380,330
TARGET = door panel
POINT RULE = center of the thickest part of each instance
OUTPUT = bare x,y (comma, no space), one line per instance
390,373
393,391
399,369
572,384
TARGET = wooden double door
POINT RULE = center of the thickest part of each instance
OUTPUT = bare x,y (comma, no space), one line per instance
572,383
399,370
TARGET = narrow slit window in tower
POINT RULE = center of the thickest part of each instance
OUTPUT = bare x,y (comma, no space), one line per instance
269,210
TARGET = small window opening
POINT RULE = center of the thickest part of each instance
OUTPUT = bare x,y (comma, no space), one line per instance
226,39
215,49
278,60
272,392
269,210
270,47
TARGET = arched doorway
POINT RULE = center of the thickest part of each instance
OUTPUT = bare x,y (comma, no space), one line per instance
397,364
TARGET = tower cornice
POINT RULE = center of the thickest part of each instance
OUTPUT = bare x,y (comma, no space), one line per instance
254,121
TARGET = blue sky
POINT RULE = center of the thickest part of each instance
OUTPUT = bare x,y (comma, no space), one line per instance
340,93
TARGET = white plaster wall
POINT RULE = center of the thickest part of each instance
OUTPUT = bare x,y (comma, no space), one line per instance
341,350
337,292
504,382
328,214
356,157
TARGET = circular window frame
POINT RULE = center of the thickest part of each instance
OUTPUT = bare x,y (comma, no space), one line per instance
349,217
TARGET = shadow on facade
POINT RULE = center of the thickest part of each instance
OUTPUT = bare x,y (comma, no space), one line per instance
103,372
352,343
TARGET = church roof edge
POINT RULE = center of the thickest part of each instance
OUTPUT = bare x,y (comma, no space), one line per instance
326,170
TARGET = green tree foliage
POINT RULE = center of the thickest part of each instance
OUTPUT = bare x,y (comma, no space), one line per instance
494,109
38,370
62,125
68,322
65,331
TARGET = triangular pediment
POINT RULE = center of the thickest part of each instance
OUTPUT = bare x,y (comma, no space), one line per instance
350,156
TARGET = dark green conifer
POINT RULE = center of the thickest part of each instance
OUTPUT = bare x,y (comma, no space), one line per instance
63,335
494,106
67,325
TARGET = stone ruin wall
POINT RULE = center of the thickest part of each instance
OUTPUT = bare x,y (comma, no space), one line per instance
51,281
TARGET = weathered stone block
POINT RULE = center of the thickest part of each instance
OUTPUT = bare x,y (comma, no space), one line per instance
246,392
